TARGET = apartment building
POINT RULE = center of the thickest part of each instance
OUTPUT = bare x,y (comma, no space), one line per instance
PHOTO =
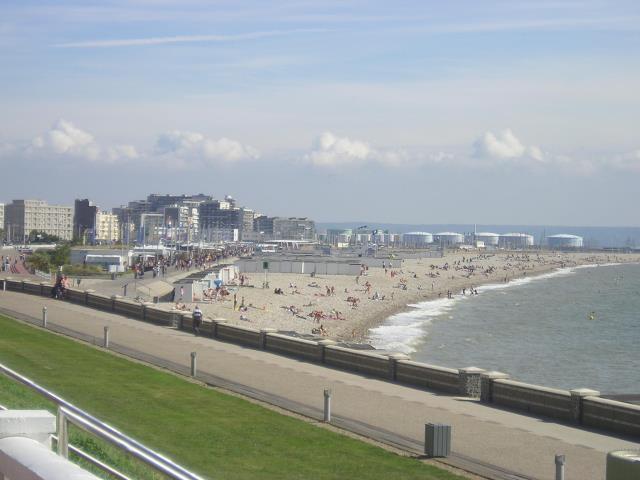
21,217
107,227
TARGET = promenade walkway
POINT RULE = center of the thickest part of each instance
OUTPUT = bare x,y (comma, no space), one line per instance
509,445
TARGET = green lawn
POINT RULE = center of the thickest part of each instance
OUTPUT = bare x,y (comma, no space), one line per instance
216,435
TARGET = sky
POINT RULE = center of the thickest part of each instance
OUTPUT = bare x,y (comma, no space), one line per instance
423,112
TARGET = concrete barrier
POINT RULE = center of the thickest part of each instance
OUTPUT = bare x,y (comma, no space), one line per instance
611,415
246,336
549,402
157,316
75,296
128,308
101,302
32,288
14,285
208,327
361,361
185,322
293,347
428,376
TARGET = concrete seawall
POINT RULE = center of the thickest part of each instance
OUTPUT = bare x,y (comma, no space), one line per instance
580,406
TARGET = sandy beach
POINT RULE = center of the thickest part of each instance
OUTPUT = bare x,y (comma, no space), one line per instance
346,307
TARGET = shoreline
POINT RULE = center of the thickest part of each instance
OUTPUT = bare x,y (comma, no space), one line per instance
381,294
378,320
378,294
362,329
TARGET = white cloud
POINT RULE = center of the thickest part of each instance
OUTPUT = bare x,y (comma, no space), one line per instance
66,140
182,148
331,151
132,42
505,146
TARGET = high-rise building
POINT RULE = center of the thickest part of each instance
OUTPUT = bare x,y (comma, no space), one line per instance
293,228
222,220
152,228
181,215
263,225
84,220
107,227
21,217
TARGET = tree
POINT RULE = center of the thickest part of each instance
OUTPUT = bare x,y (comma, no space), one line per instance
39,236
39,261
61,255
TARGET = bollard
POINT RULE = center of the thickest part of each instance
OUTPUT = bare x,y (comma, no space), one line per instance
44,317
560,467
4,285
125,290
194,364
327,406
106,337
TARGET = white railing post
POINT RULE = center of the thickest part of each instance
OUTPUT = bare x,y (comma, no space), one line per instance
44,317
63,434
327,405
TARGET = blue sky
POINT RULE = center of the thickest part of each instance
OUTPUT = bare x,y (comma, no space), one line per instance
409,112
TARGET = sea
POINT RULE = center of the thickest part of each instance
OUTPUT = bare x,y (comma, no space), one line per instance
571,328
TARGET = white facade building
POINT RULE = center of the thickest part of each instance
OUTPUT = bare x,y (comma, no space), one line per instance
21,217
107,227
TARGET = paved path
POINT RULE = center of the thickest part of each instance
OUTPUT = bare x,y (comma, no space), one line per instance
511,441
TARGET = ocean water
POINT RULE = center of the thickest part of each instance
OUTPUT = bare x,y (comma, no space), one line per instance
539,330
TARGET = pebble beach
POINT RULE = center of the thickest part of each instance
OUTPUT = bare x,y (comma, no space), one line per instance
344,307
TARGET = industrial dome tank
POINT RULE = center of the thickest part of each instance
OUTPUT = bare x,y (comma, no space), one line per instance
417,239
564,240
448,238
488,238
516,240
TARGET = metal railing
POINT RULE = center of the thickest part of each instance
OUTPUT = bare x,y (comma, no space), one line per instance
89,459
69,413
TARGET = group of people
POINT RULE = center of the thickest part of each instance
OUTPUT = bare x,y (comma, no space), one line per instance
60,287
9,264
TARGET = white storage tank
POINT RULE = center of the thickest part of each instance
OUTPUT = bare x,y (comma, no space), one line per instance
416,239
516,240
564,240
448,238
488,238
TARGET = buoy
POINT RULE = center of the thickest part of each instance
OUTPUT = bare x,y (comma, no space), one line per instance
592,316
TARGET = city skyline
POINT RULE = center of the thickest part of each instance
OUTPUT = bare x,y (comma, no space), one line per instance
505,113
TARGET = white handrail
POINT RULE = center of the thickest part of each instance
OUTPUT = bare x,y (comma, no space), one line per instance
149,456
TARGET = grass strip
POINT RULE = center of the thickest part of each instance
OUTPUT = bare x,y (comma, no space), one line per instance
214,434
